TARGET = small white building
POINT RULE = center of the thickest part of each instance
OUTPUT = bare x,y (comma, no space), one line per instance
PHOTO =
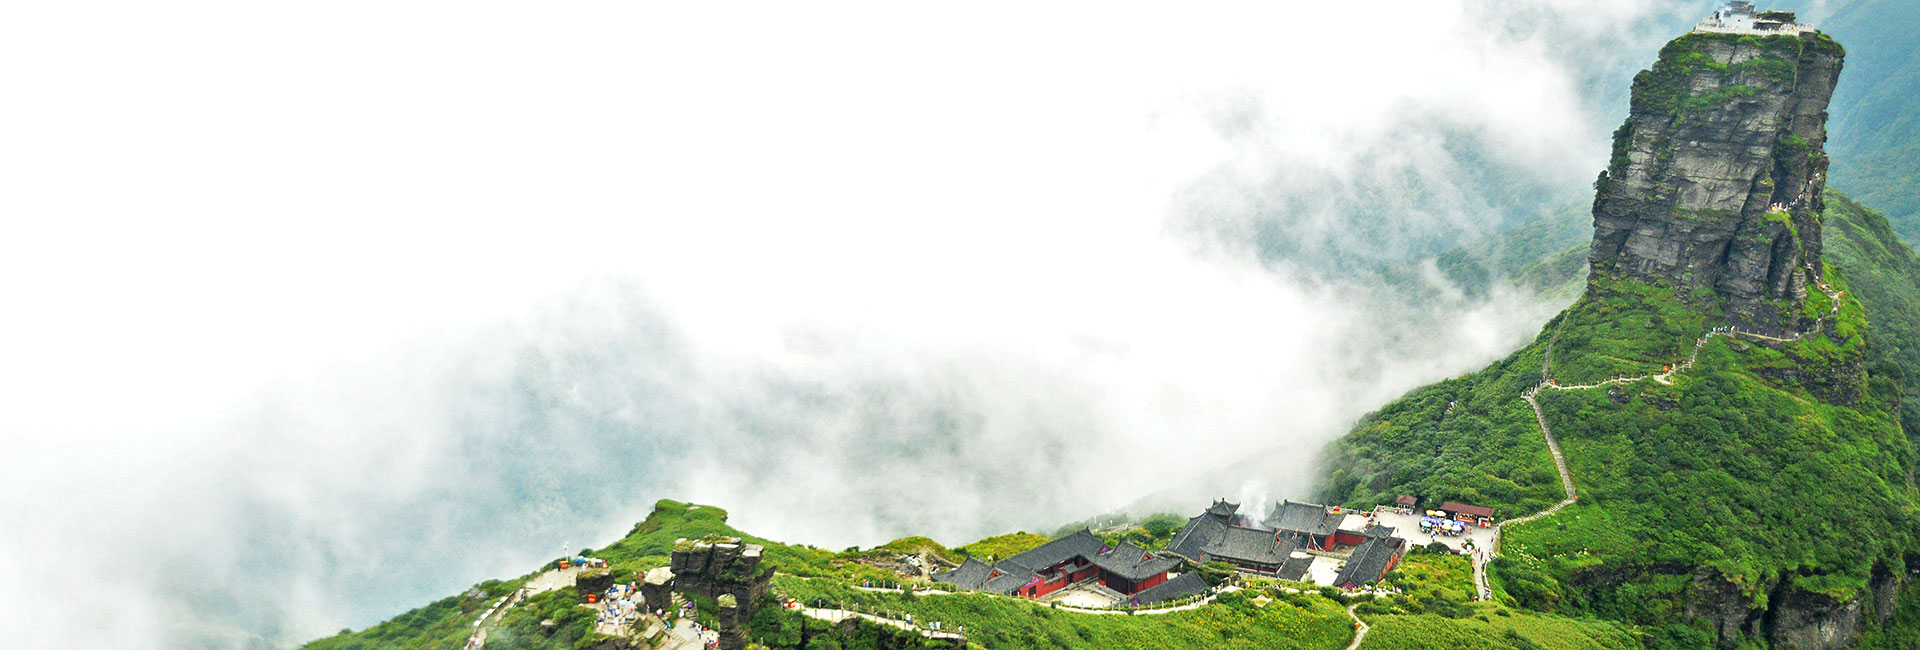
1740,17
1738,14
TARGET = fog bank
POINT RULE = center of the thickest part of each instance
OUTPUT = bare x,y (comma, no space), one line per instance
326,313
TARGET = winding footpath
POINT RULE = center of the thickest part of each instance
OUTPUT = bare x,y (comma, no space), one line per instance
837,615
1359,628
1481,558
551,580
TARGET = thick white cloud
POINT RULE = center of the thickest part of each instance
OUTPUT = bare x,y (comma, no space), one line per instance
319,312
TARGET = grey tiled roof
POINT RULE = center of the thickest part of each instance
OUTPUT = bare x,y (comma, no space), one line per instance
1193,539
1467,509
1295,568
1376,529
1132,562
1223,509
1012,576
1127,561
1080,543
1310,518
1181,586
1250,545
1207,537
1368,562
972,574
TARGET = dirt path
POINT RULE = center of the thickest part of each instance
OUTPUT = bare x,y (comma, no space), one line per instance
1359,628
551,580
837,615
1480,583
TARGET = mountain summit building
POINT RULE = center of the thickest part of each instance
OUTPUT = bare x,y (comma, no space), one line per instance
1283,545
1740,17
1074,559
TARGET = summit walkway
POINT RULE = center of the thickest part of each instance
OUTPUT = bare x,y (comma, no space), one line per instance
1481,558
551,580
837,615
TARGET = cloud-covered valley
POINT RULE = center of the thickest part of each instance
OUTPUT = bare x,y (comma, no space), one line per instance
321,314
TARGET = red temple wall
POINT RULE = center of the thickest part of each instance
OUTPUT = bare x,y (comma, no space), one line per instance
1150,581
1049,586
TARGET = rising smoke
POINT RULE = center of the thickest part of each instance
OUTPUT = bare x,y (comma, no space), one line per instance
332,315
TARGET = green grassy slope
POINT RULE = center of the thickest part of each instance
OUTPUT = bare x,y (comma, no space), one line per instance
1885,274
999,546
1433,610
999,622
443,624
1257,618
1760,466
1468,438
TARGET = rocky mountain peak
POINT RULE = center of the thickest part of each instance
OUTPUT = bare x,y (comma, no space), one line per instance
1714,187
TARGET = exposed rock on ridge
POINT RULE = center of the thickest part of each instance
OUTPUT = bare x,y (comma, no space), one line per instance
1714,188
724,570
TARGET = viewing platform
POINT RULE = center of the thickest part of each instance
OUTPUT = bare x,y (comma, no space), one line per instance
1740,17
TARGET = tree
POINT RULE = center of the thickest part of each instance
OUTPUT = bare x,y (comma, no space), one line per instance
1216,572
1162,525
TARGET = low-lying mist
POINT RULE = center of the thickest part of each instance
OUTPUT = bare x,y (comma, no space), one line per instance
327,316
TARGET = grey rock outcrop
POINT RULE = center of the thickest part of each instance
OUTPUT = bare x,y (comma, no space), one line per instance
727,572
656,588
1809,620
1789,617
1714,188
1724,606
592,582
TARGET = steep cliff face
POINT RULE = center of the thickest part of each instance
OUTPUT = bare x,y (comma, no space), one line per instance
1714,188
1789,617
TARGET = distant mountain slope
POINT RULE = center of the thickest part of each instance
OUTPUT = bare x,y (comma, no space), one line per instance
1886,274
1541,255
1876,127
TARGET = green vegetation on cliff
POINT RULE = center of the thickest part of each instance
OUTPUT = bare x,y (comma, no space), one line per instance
1438,591
1770,473
1434,610
999,546
443,624
1235,621
1669,85
1469,439
1886,275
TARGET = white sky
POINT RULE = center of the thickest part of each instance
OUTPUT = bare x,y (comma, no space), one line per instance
208,202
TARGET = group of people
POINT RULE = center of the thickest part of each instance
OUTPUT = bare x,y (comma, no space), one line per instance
582,562
1442,526
932,626
619,606
707,640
